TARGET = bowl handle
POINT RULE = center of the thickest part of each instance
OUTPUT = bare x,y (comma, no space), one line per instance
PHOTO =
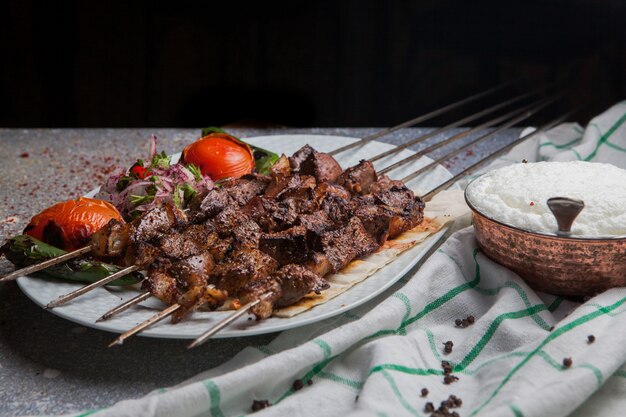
565,210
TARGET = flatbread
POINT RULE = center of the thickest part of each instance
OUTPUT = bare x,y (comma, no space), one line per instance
444,208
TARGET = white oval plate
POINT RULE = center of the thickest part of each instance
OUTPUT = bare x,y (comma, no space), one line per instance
86,309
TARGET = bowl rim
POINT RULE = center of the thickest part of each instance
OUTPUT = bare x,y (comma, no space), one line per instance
526,231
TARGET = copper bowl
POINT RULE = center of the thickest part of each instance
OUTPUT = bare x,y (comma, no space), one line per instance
561,265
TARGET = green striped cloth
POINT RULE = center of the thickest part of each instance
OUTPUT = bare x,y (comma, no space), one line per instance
376,361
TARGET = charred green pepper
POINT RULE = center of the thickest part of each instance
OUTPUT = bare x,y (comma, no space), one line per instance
24,250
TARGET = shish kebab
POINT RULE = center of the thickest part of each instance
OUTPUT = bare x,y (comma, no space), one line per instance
524,114
144,296
252,304
270,238
362,141
60,259
140,264
137,265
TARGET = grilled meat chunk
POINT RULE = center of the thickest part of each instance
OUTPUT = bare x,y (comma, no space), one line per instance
338,209
376,220
141,254
341,246
282,288
220,248
243,266
243,189
389,213
184,282
301,154
297,281
266,289
157,221
228,219
320,165
326,190
316,222
401,198
170,291
300,186
190,241
300,205
235,223
385,183
208,205
110,241
246,235
271,215
286,247
196,297
412,216
319,264
199,265
281,168
162,286
358,179
395,196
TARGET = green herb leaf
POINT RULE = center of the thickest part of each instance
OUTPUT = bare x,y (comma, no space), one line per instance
176,197
140,199
212,129
263,159
188,192
195,171
161,161
123,183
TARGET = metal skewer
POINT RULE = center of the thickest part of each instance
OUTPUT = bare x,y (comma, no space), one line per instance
168,311
457,123
77,293
424,117
141,326
223,323
429,195
125,306
458,136
45,264
536,107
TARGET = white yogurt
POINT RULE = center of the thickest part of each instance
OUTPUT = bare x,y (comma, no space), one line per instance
516,195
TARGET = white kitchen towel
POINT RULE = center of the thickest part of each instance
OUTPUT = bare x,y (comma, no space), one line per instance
375,361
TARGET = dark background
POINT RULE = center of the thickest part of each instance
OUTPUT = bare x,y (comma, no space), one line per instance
325,63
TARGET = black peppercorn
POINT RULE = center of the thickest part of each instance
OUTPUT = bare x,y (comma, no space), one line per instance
260,404
567,362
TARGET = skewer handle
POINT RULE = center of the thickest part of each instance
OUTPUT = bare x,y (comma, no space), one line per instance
45,264
141,326
77,293
125,306
219,326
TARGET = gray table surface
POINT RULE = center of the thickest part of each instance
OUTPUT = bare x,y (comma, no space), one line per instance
49,365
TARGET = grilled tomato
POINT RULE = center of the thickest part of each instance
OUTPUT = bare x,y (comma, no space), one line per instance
69,224
220,155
